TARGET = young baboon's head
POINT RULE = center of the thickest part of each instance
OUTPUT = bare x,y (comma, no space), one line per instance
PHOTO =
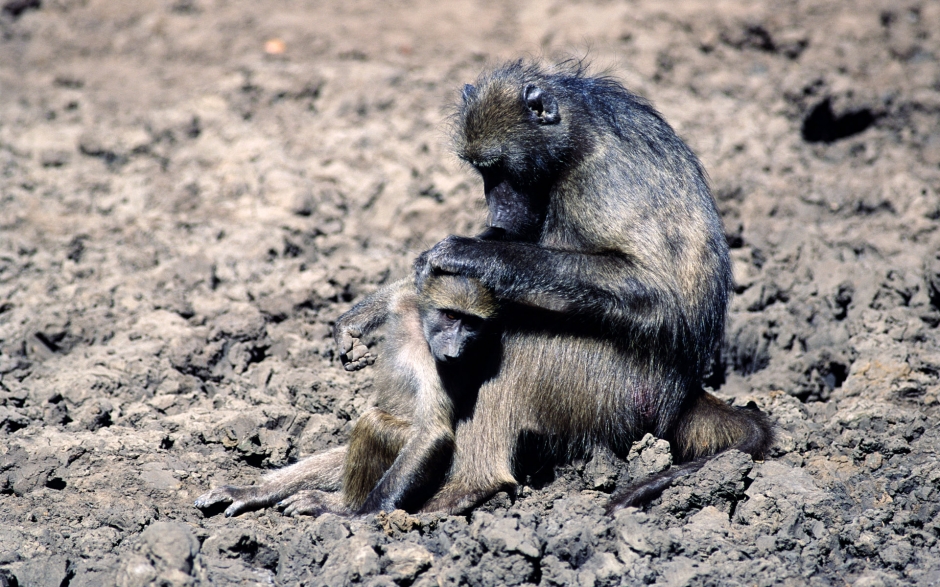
455,313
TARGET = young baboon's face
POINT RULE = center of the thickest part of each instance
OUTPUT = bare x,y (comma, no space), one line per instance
450,333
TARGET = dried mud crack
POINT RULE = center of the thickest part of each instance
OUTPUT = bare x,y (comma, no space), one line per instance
191,192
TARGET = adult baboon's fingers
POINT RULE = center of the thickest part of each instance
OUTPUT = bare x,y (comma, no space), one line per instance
455,255
422,270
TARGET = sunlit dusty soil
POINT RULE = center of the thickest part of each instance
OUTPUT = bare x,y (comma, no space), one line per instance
192,191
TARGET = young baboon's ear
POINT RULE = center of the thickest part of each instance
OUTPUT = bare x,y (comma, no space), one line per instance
542,104
468,92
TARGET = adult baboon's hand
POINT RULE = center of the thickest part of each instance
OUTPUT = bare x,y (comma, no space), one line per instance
455,255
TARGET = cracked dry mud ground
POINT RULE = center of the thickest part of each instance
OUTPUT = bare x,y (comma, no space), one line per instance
183,215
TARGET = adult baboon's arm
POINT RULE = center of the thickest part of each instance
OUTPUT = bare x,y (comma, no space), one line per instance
608,285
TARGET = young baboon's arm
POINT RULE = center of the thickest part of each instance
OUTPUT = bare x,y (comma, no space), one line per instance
362,319
612,286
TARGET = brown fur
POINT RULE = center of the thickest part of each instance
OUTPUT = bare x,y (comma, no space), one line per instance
374,445
612,271
400,449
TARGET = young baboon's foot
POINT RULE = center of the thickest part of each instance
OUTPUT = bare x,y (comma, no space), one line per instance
243,499
313,503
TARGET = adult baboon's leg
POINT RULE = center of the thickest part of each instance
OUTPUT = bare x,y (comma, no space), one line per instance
484,448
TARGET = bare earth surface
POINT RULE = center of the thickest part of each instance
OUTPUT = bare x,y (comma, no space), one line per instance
183,214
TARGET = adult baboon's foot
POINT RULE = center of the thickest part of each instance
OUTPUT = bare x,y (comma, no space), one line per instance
456,499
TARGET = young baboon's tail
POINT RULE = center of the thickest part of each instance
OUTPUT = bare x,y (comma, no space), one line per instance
708,428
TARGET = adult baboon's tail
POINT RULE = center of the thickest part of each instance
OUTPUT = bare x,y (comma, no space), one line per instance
711,426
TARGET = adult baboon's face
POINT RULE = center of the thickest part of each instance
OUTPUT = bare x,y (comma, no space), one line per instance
511,131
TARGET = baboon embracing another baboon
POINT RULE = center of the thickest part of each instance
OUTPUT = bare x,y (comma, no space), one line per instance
607,260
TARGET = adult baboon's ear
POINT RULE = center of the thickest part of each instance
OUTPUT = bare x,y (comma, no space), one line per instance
468,92
542,104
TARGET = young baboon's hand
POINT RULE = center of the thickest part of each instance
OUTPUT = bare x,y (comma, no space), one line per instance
357,357
352,352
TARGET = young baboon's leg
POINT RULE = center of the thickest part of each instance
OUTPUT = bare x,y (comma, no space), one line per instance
710,426
422,462
424,457
374,445
320,471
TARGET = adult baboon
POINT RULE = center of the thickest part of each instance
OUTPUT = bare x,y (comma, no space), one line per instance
620,248
609,261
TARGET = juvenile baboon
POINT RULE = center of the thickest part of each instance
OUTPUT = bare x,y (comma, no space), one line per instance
399,449
609,261
456,312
